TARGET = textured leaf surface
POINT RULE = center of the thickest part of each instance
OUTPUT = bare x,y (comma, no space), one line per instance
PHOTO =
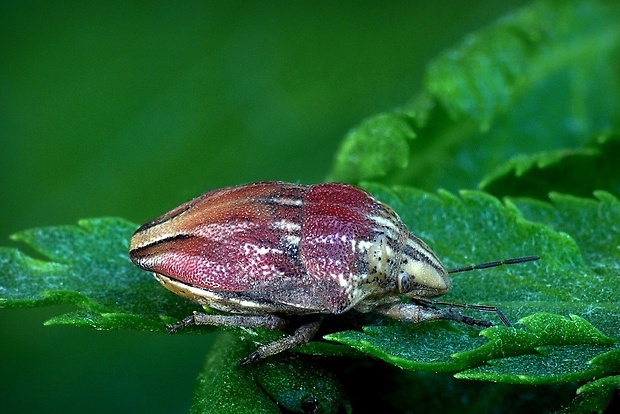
477,228
541,79
87,266
593,224
282,382
578,172
301,385
594,395
375,147
224,386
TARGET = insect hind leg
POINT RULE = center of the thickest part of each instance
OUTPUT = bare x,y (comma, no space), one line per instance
272,322
302,335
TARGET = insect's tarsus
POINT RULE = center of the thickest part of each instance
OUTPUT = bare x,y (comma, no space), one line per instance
484,308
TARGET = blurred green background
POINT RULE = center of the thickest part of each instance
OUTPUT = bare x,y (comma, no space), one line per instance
117,109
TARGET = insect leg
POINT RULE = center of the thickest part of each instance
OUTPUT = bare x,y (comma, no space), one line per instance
249,321
302,335
484,308
415,313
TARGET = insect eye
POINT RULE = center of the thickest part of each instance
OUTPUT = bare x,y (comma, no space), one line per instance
404,282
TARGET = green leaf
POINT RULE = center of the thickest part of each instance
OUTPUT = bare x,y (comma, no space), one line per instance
477,228
554,349
593,224
594,395
91,271
378,145
225,387
87,266
575,171
282,382
405,391
540,79
301,385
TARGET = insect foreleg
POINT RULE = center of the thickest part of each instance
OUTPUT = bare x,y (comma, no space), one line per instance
415,313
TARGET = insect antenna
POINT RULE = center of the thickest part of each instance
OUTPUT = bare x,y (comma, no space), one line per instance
494,264
486,265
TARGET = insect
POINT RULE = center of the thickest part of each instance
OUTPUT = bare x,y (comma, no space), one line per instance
268,251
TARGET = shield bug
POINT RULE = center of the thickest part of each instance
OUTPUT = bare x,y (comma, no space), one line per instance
268,251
